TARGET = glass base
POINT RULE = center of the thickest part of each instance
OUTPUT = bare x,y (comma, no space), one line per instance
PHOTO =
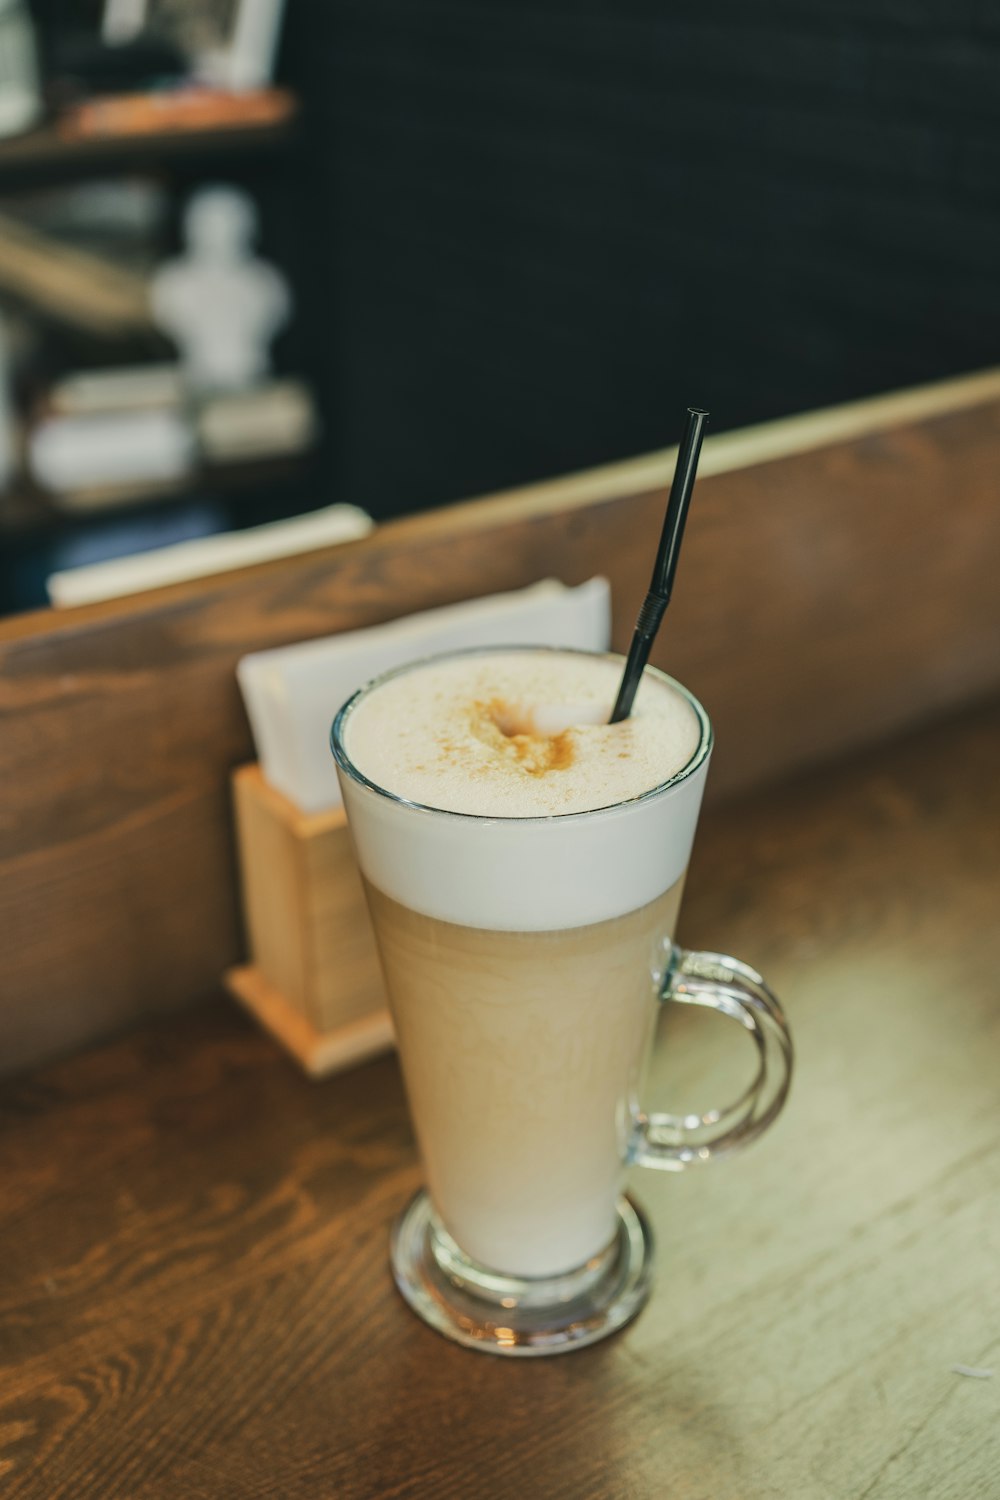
517,1315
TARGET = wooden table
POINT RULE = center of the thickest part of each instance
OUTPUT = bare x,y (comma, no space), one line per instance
194,1299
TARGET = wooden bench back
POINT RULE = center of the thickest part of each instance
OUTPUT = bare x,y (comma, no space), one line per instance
839,583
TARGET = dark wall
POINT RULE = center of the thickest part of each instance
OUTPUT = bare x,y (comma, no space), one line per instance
542,229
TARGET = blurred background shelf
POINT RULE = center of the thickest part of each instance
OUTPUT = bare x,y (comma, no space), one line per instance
38,539
48,155
29,509
96,203
520,241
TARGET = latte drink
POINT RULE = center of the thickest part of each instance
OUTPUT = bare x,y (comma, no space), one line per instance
524,862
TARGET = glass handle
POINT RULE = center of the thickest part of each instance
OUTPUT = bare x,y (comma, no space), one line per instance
717,982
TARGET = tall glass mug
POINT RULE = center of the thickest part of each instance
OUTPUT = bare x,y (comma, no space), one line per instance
525,959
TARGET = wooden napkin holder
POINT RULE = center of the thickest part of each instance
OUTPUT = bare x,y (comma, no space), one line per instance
314,980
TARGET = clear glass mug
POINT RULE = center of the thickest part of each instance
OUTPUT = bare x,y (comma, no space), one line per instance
524,1008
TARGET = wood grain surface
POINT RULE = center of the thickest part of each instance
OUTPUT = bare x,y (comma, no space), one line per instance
826,598
194,1297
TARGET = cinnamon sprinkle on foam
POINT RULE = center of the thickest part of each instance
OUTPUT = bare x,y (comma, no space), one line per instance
459,734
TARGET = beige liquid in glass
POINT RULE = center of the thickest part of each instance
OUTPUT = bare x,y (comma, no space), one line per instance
523,1055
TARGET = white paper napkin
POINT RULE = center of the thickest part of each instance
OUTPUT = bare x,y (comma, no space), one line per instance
292,693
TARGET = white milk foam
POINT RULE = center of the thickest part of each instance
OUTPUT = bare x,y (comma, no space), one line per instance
532,832
458,735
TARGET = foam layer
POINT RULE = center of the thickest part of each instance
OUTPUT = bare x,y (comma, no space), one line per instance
463,735
524,869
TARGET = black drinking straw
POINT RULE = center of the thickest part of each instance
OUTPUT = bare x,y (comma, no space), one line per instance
654,605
